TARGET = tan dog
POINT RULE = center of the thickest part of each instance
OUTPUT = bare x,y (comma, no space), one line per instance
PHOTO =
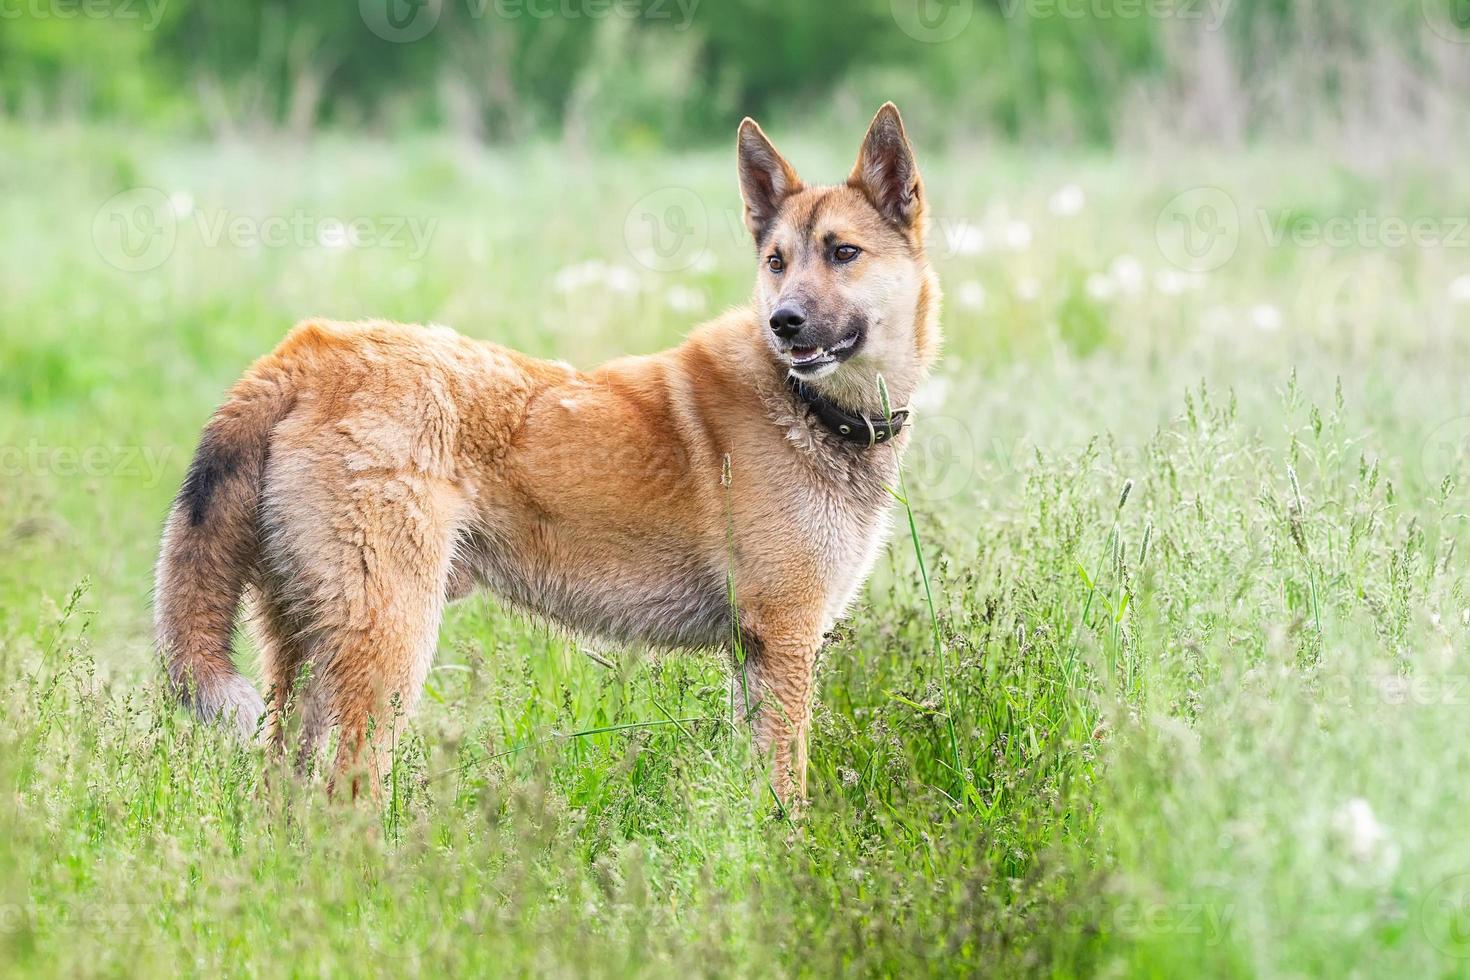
362,475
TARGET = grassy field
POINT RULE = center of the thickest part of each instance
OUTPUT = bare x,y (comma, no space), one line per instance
1191,485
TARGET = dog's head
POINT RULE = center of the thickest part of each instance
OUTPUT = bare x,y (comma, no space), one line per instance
844,291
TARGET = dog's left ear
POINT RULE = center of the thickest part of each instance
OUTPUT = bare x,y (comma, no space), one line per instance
766,179
887,173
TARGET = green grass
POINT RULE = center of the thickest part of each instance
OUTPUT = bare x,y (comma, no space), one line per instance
1218,728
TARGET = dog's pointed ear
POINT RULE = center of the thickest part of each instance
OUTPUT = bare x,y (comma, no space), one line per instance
766,179
887,173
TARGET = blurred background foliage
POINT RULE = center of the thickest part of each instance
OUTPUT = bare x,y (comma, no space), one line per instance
646,73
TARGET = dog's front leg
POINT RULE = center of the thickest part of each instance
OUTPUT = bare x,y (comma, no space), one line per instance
772,688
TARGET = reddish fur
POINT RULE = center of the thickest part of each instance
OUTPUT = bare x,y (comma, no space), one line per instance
381,470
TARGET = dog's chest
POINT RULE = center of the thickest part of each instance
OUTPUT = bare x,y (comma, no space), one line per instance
846,513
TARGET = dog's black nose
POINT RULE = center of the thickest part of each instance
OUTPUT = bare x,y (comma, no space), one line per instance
787,322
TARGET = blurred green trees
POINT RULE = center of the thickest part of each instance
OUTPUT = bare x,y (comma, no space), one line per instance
650,71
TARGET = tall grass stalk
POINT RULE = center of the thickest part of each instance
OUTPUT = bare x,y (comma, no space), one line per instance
737,641
901,494
1111,548
1296,517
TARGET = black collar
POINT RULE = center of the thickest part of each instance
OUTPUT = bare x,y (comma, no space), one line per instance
866,430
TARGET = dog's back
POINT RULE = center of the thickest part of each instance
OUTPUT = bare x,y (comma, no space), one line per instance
362,475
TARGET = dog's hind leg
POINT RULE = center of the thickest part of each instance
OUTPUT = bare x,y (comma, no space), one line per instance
283,653
363,553
382,624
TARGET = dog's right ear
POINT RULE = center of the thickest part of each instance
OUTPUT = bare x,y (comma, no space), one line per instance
766,179
887,174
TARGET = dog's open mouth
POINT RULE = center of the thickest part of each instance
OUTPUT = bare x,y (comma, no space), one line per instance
806,360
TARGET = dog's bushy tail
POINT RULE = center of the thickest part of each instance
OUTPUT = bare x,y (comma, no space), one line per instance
210,548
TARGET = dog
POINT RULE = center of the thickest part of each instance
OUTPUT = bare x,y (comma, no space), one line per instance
733,492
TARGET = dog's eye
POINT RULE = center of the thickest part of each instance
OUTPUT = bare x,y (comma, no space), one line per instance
846,253
776,264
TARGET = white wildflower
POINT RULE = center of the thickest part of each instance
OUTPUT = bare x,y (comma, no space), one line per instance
578,276
931,395
1017,235
1266,318
1127,272
965,239
1367,841
1067,201
620,279
682,299
1172,282
1101,288
971,295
